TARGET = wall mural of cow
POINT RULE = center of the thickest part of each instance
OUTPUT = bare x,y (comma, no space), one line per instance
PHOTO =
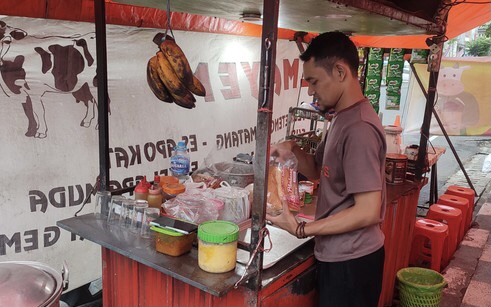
456,107
67,68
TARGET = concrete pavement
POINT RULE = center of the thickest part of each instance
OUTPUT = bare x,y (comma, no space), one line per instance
469,272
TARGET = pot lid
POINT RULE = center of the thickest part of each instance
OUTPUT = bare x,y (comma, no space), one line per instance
24,285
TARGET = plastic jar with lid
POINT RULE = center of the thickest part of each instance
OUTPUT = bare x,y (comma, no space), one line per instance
164,180
217,246
172,189
393,138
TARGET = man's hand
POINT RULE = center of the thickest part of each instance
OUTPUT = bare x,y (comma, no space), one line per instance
286,220
282,150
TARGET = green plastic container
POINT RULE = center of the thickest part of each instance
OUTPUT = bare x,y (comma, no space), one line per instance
420,287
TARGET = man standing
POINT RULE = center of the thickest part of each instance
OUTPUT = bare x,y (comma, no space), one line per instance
350,163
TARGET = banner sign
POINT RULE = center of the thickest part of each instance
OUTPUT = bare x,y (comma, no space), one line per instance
49,118
462,100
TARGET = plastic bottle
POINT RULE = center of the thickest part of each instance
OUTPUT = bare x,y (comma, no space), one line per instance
179,162
141,190
155,197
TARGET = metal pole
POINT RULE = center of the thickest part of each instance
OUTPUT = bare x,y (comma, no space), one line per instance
425,127
102,96
435,114
263,132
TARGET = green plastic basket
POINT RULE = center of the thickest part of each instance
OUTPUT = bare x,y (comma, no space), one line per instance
420,287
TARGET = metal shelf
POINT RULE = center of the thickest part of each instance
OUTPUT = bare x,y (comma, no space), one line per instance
307,140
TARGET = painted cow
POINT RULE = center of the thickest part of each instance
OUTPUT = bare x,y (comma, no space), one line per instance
66,68
456,107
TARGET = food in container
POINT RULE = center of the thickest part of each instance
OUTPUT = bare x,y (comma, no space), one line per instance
217,246
170,190
395,168
305,191
164,180
171,242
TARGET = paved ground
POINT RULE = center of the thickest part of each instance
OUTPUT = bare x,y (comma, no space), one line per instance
469,272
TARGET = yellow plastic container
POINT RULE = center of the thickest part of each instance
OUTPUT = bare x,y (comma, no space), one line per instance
217,246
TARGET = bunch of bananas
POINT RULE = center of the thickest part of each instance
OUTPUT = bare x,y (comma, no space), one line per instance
170,77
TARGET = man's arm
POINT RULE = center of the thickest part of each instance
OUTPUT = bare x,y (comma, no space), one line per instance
365,212
306,162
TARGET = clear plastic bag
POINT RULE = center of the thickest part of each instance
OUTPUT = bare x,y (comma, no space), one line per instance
486,166
283,184
236,202
194,206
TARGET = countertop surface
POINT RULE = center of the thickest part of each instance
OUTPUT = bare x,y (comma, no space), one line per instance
184,268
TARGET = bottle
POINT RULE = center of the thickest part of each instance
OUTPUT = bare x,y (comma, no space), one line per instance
156,182
155,197
141,190
179,162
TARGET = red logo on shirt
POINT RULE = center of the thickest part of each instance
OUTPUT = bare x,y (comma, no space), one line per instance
325,171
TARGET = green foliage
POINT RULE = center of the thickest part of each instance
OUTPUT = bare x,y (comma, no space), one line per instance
487,31
479,47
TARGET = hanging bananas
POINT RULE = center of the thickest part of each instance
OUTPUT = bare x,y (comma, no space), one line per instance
170,77
153,80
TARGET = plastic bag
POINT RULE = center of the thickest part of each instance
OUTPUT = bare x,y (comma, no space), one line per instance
283,185
486,166
194,206
236,206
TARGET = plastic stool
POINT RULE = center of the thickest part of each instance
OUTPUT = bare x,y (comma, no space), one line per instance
453,218
466,193
459,203
430,242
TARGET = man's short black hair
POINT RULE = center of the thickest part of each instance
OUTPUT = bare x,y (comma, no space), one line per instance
329,47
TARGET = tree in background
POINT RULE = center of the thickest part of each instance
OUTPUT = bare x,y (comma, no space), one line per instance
482,45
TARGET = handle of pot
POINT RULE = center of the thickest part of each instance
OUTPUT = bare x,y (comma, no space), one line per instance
64,275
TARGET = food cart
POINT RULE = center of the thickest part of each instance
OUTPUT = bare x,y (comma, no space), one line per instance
135,275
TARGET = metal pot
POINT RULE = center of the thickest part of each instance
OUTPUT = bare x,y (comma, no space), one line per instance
30,283
235,173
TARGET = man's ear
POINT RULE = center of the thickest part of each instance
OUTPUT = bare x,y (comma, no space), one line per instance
340,71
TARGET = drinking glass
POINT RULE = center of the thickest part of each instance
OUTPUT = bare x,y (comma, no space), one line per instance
137,215
115,209
150,214
127,208
101,208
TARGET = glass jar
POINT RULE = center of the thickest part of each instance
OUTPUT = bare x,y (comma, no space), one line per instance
217,246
